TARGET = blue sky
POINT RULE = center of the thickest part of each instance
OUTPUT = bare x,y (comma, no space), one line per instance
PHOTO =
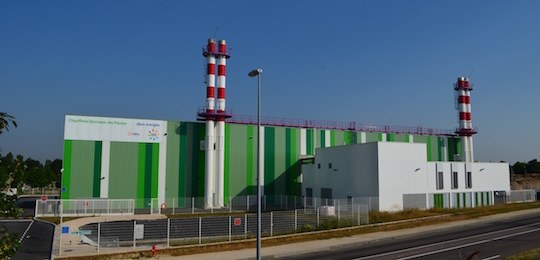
379,62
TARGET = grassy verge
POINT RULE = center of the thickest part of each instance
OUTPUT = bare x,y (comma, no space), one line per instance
381,221
531,254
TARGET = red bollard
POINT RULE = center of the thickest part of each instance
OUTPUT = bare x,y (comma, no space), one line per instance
154,250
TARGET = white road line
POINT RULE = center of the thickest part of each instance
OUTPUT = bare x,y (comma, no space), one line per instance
445,242
470,244
492,257
24,234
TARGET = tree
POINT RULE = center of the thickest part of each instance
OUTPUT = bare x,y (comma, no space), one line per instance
8,242
5,121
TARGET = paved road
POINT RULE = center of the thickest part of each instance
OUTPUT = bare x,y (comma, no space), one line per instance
36,238
482,241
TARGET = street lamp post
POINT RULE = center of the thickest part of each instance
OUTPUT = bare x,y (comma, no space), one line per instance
253,73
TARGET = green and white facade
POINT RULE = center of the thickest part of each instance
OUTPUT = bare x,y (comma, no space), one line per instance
119,158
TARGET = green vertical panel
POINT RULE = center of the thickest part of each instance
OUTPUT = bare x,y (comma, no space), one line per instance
201,160
182,160
390,137
482,197
269,162
155,170
400,138
226,163
464,200
97,169
458,146
291,158
440,143
239,139
333,138
458,202
488,197
123,170
322,143
288,146
379,137
428,145
250,181
141,169
175,175
451,150
280,177
407,138
476,199
372,137
347,138
66,174
82,169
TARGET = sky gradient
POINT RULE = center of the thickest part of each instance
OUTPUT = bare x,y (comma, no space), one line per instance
379,62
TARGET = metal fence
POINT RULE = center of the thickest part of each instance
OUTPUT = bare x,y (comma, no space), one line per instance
521,196
84,207
106,237
248,203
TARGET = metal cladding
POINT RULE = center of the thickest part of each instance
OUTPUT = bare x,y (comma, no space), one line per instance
215,132
463,94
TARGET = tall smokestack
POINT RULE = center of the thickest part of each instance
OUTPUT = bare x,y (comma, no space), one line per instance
463,94
220,127
209,174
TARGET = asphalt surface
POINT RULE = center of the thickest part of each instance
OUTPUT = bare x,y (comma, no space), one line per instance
492,240
35,237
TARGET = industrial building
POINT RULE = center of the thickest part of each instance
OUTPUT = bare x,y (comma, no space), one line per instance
215,159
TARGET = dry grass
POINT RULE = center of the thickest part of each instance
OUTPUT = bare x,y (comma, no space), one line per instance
531,254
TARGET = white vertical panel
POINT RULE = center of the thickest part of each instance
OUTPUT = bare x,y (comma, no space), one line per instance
162,171
411,138
105,163
383,137
327,142
362,137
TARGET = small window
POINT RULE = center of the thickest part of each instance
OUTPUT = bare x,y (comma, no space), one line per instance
319,165
454,180
468,180
440,181
329,165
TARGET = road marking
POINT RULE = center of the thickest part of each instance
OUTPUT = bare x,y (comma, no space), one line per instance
24,234
444,242
470,244
492,257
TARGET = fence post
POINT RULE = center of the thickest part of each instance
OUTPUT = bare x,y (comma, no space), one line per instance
271,223
98,235
247,203
338,211
230,204
200,230
192,205
317,217
134,225
305,200
230,228
173,205
358,214
168,231
295,220
245,226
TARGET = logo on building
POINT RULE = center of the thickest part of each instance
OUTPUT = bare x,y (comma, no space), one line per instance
153,134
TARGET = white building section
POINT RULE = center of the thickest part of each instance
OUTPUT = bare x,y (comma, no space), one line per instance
401,177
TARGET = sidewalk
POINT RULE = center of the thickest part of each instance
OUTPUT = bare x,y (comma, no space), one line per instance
281,250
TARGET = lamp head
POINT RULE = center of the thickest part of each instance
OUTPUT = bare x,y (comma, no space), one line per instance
254,73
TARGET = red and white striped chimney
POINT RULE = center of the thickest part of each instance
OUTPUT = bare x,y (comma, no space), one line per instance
463,93
209,174
220,126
